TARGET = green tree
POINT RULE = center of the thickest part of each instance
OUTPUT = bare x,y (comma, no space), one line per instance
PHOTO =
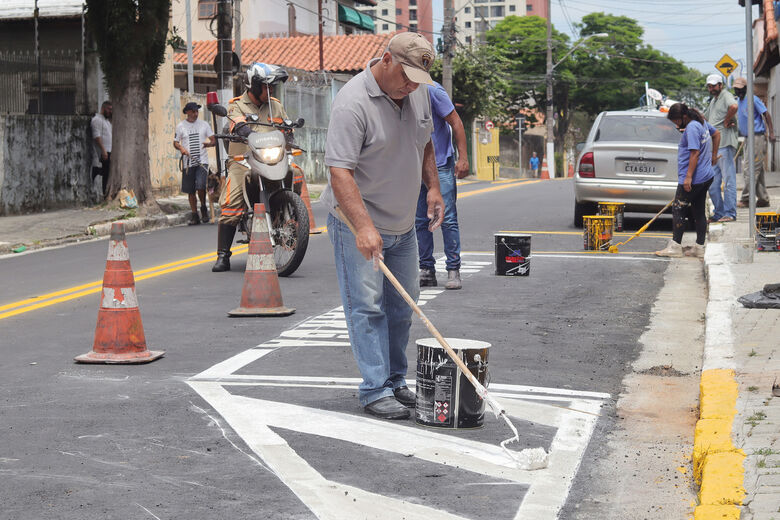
522,43
614,76
130,36
476,88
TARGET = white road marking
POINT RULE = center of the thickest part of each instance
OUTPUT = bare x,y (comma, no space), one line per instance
719,339
573,414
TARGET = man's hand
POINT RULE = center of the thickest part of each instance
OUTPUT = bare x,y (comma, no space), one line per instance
369,242
104,155
687,184
772,137
715,159
461,168
435,209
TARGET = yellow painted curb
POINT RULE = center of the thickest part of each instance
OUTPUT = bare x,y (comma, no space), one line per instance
722,478
717,464
716,513
718,391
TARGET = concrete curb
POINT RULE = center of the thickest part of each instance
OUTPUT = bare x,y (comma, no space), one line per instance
717,463
103,229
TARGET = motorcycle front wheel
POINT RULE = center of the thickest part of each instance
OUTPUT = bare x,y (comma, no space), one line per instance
290,222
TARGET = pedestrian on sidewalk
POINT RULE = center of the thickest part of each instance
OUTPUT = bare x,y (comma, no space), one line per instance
534,164
762,126
193,136
696,156
447,126
101,140
378,149
721,113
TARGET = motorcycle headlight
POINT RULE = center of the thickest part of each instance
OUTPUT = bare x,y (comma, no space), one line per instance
271,155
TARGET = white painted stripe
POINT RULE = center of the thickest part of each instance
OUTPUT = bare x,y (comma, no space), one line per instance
719,338
260,262
548,390
421,303
117,251
227,367
604,257
327,500
304,343
123,298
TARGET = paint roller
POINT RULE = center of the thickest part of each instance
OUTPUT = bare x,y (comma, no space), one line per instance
528,459
614,249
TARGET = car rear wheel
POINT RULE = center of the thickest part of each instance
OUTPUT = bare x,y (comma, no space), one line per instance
580,210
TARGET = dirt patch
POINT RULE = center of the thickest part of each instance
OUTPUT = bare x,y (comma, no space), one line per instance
663,371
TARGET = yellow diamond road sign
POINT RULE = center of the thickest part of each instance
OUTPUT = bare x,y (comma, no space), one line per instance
726,65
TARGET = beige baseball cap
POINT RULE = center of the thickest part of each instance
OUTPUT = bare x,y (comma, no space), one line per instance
415,54
740,83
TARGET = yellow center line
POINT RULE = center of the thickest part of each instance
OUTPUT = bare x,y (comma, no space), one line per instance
73,293
496,188
579,233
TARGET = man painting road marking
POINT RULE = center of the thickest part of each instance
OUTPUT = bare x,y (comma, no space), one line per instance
567,416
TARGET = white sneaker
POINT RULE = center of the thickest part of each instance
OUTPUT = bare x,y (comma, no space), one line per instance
672,250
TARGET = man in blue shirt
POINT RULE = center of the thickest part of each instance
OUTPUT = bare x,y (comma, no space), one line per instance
447,127
759,150
534,164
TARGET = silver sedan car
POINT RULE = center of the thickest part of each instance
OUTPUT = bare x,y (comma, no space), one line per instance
630,156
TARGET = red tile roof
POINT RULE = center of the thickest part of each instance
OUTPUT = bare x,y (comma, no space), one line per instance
341,53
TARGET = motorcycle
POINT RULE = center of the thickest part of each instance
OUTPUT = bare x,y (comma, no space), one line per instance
271,180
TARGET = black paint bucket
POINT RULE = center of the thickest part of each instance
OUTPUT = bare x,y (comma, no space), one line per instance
445,397
513,254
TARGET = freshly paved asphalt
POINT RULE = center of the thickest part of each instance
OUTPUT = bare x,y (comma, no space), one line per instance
138,442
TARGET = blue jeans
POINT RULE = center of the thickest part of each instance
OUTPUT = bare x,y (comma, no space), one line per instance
725,171
378,319
449,227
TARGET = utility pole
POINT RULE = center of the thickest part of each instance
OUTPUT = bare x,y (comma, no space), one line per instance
237,22
190,72
520,123
319,25
225,49
448,42
750,117
550,153
38,59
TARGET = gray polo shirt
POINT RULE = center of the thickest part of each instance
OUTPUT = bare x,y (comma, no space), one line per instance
384,144
716,114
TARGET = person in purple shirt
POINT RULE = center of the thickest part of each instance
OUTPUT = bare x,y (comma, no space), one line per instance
447,127
697,154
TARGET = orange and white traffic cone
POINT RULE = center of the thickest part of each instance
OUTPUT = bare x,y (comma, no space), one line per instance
571,170
545,171
261,295
306,200
119,336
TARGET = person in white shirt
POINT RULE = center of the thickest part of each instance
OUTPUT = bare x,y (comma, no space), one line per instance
193,136
101,137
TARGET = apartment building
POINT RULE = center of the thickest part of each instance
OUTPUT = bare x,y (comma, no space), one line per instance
475,17
275,18
402,15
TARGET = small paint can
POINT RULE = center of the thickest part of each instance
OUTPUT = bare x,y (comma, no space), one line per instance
767,224
614,209
513,254
445,397
597,232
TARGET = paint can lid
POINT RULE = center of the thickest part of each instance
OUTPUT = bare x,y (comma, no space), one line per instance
455,343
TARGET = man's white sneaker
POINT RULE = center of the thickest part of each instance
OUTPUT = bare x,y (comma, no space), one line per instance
672,250
696,251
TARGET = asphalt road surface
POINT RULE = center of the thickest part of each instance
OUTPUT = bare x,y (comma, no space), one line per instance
258,417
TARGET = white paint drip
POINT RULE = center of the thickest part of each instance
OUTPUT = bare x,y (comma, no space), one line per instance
142,507
260,262
123,298
117,251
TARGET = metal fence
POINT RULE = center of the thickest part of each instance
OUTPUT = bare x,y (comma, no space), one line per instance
57,86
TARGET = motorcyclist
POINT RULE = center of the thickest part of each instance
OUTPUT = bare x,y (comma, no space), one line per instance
256,100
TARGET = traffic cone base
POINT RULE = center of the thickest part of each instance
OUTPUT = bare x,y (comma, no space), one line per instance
545,172
261,294
119,334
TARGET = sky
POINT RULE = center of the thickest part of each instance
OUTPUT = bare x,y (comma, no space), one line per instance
697,32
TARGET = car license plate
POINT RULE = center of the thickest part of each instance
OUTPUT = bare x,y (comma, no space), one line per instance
639,167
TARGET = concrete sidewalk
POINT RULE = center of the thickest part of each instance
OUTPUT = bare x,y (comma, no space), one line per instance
737,438
19,233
